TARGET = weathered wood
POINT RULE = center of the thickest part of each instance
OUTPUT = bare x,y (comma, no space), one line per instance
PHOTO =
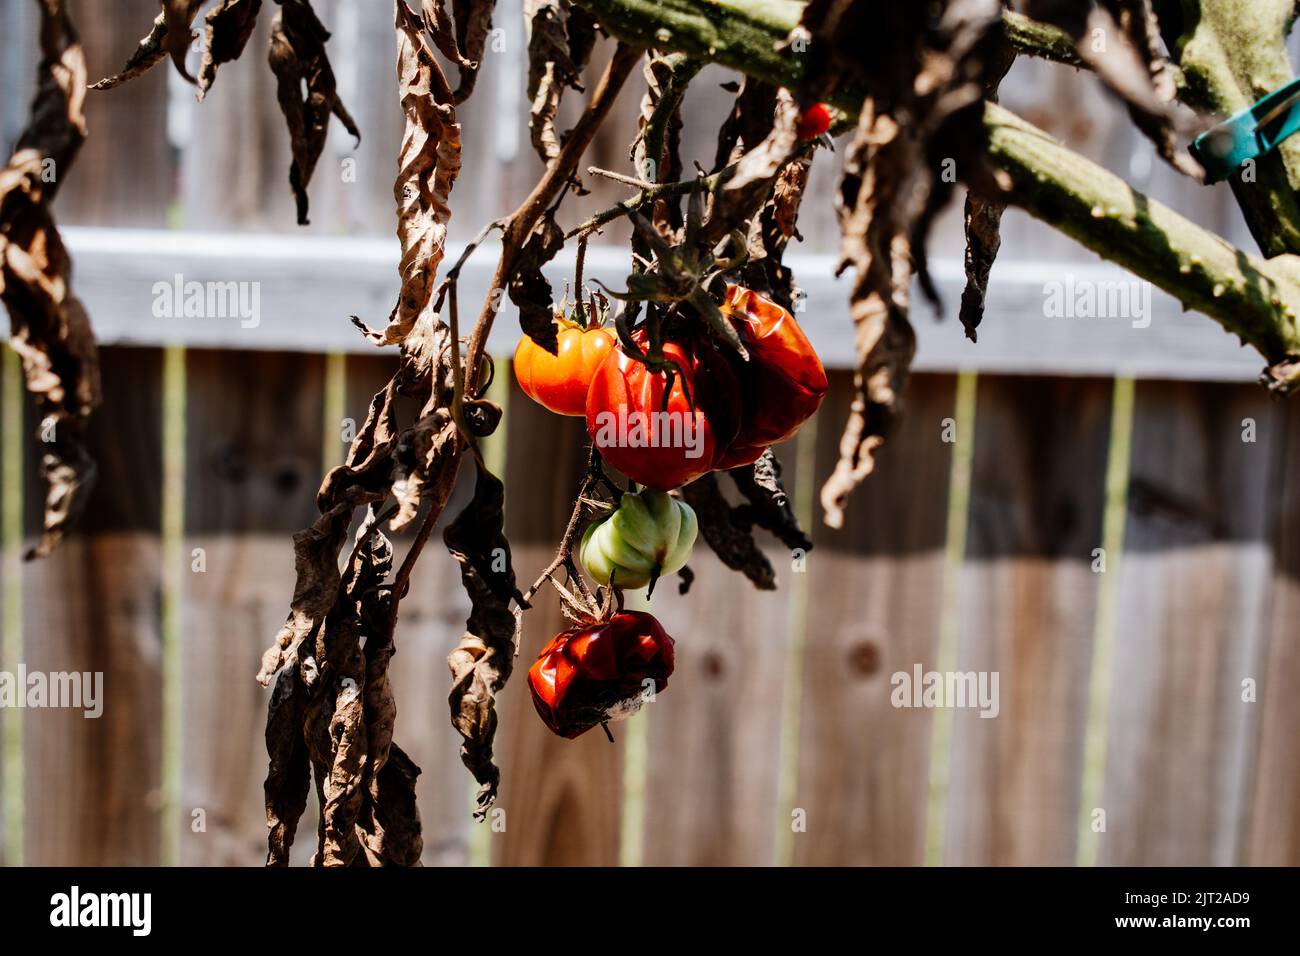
252,462
712,773
1026,607
430,624
874,601
125,174
562,799
1273,837
1191,624
92,786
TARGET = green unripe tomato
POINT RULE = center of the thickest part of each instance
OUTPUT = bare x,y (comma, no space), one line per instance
648,535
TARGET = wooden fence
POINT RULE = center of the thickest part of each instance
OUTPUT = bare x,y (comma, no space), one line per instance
973,548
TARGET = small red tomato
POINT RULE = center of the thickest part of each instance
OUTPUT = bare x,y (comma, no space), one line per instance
597,672
782,384
559,382
664,445
814,121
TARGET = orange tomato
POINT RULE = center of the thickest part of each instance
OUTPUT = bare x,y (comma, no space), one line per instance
559,382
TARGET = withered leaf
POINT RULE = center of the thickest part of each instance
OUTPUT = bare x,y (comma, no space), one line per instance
733,544
299,62
228,28
288,773
481,664
178,21
147,54
768,506
49,328
531,291
473,26
551,69
428,165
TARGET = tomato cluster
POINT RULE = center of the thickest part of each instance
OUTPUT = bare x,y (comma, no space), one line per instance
730,410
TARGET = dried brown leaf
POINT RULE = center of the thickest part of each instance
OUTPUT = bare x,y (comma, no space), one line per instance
481,664
428,164
145,57
473,26
178,21
768,506
552,67
299,62
733,544
228,27
531,291
288,774
49,328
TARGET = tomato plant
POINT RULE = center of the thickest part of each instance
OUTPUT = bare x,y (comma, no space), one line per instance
657,435
783,383
648,535
559,382
600,671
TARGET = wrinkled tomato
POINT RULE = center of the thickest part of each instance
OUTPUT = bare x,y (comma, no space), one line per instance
782,384
664,444
559,382
597,672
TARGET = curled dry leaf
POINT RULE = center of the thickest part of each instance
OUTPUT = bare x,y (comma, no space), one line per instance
1133,66
147,54
288,773
178,23
733,544
481,664
428,164
299,62
745,191
473,26
928,68
768,506
531,291
49,328
560,42
228,27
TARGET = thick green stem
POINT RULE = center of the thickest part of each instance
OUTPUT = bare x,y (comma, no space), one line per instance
1255,298
1232,53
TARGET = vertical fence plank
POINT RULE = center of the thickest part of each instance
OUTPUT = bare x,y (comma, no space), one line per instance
1273,838
562,798
1027,609
125,174
713,767
432,619
875,592
1190,623
93,786
252,462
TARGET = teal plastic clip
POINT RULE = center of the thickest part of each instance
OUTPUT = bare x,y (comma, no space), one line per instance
1248,134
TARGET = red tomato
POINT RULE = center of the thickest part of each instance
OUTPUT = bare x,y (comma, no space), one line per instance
559,382
814,121
782,384
664,447
597,672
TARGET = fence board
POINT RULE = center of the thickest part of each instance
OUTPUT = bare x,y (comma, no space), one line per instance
432,619
1027,605
875,589
92,787
1274,833
562,798
711,793
1191,624
252,463
125,174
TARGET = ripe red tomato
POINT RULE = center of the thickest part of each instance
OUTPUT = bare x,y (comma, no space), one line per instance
559,382
782,384
598,672
814,121
661,446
